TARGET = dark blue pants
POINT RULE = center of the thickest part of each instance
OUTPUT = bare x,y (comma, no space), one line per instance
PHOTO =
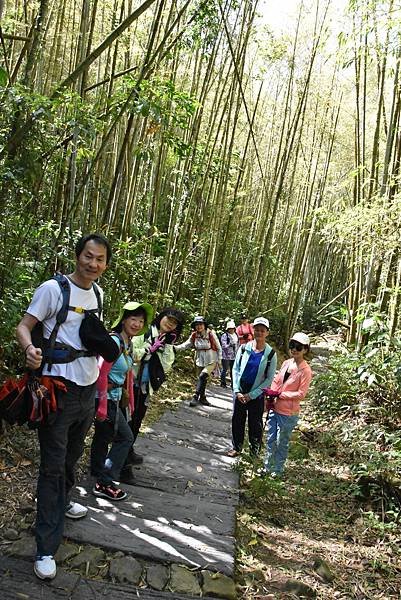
227,364
61,445
254,410
121,439
139,413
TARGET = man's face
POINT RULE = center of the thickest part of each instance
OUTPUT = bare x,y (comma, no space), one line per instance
92,262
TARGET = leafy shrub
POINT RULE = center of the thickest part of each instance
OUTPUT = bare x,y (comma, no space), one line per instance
337,388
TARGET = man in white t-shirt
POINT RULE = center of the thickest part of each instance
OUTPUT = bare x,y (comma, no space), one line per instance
62,441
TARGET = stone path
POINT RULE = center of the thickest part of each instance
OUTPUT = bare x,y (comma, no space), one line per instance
175,531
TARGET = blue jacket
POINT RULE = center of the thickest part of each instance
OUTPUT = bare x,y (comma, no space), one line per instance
260,382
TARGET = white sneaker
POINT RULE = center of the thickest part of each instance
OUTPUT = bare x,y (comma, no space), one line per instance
45,567
75,511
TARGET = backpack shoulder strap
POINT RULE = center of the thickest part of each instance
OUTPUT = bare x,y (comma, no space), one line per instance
99,299
64,285
61,315
269,359
120,339
242,354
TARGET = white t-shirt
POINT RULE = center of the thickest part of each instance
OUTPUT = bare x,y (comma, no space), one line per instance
46,302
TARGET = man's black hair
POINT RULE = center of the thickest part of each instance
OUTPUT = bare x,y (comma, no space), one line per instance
98,238
138,312
176,314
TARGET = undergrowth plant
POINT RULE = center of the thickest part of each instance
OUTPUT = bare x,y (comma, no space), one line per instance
360,395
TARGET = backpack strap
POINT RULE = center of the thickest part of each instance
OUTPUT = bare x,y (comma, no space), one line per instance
95,288
62,313
98,310
242,354
269,359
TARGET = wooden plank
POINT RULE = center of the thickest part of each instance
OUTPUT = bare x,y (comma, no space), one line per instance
221,409
224,494
205,470
188,438
186,458
156,481
183,511
195,421
155,537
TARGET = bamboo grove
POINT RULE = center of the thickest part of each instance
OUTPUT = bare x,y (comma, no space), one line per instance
233,168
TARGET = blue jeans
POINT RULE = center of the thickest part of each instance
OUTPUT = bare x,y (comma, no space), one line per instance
279,430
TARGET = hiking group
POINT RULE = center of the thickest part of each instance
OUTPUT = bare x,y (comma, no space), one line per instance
112,376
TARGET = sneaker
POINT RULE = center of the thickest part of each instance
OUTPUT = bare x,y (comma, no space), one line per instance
232,453
194,402
75,511
134,458
45,567
111,492
204,401
127,477
224,385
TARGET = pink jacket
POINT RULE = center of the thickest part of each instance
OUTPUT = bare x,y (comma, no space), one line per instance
101,385
294,389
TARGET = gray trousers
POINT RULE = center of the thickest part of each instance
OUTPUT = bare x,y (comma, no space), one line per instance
61,445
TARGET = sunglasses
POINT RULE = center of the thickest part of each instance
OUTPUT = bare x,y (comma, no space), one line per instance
296,346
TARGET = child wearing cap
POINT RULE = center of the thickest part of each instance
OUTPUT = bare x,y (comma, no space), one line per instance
290,386
254,368
229,346
115,383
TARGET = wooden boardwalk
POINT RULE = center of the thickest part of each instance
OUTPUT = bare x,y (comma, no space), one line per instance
181,510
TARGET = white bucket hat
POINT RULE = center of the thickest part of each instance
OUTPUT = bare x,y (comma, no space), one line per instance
230,325
302,338
261,321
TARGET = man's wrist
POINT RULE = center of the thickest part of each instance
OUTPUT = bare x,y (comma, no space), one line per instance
27,346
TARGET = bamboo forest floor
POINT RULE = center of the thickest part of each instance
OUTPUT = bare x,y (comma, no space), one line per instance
175,535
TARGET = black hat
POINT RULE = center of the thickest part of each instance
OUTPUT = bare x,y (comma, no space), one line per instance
173,313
